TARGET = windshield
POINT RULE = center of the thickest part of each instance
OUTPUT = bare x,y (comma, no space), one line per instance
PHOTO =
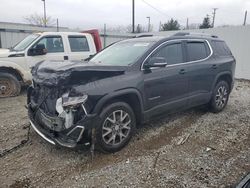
122,53
25,42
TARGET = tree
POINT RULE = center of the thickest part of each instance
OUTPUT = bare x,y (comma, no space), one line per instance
35,19
170,25
206,23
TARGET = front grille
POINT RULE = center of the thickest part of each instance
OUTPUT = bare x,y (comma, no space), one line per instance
47,97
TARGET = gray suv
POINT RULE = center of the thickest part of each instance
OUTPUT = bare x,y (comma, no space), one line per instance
101,101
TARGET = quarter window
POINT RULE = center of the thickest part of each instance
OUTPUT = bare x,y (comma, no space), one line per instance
172,53
197,50
78,44
53,44
221,49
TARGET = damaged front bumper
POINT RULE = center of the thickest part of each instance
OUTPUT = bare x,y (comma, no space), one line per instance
50,127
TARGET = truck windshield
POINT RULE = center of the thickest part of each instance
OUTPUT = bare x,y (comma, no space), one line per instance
25,42
122,53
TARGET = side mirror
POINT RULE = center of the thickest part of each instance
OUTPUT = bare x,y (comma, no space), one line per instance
38,50
156,62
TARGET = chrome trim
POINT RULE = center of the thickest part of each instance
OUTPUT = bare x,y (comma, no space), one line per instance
180,40
153,98
84,109
41,134
80,135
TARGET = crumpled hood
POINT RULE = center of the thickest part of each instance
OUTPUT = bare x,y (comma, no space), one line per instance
62,73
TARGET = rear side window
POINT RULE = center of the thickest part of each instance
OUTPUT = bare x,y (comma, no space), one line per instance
78,44
221,49
172,53
197,50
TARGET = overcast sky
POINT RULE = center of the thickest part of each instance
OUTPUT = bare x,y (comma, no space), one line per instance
87,14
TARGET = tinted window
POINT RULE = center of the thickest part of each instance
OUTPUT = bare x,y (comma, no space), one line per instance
197,50
53,44
78,44
123,53
221,48
172,53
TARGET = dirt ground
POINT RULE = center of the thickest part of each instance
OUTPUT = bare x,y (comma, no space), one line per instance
195,148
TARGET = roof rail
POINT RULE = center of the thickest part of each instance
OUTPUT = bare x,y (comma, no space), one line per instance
194,34
144,35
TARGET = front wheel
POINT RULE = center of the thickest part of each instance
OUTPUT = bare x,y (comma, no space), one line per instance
116,127
219,97
9,85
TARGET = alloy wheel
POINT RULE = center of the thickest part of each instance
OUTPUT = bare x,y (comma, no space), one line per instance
116,127
221,97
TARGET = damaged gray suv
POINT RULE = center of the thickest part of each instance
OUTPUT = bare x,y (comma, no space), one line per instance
101,101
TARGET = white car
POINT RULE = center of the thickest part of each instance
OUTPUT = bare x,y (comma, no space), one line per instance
16,63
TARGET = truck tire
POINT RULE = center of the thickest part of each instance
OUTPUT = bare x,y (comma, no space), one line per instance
116,127
9,85
219,97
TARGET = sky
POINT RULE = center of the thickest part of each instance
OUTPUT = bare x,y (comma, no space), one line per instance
89,14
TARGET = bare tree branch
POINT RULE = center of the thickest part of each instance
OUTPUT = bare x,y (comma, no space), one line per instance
38,20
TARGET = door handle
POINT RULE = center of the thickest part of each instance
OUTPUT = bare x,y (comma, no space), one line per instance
182,71
214,66
66,57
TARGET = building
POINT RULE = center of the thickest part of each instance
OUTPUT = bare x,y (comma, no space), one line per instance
12,33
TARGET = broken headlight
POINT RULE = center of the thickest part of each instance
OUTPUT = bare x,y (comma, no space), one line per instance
66,106
73,101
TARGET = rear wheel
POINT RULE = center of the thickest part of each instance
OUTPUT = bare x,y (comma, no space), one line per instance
220,96
116,127
9,85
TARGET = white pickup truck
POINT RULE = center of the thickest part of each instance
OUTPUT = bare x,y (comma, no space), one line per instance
16,63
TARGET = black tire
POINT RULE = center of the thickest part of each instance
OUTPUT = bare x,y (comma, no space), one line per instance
219,97
9,85
106,125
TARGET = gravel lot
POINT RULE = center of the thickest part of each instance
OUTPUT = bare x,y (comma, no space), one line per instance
195,148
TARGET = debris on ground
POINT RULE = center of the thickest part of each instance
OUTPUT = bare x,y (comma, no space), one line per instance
188,149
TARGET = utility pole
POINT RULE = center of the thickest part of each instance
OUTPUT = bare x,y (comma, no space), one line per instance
104,35
160,26
214,13
57,25
148,17
245,18
44,13
187,26
133,16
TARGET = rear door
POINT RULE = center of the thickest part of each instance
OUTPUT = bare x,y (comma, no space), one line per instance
166,88
55,50
80,47
202,70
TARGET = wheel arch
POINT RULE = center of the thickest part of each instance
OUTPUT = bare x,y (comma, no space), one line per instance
131,96
13,71
226,76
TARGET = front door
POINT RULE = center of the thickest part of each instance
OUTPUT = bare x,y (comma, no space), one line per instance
55,50
166,88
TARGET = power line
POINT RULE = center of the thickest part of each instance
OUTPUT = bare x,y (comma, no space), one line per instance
156,9
160,11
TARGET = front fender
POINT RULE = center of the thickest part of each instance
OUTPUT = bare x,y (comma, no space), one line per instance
115,94
25,74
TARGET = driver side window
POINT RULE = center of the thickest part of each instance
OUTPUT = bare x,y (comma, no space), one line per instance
53,44
172,53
